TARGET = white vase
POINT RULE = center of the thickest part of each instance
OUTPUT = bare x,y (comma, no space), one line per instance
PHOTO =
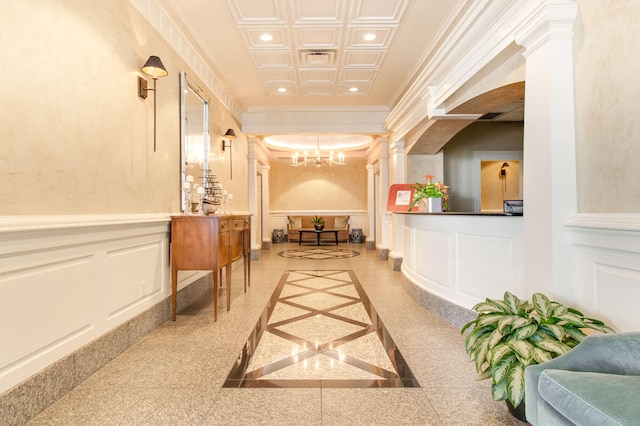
430,205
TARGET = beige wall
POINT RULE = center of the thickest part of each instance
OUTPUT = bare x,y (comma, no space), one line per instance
607,107
312,188
76,138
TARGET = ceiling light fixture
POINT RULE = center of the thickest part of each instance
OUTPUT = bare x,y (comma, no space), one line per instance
369,37
353,89
319,159
266,37
281,89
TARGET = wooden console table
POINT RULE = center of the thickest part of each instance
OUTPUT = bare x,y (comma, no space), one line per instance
210,243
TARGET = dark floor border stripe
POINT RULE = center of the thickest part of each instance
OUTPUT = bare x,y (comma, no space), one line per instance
239,377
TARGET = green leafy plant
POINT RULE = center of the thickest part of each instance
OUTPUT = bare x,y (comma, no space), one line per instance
318,220
430,190
510,334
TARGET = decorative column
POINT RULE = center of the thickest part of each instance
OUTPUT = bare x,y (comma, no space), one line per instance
266,238
397,174
549,148
371,207
385,217
253,198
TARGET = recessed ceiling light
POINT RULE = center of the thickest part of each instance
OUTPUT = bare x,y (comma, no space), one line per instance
353,89
369,36
266,37
282,89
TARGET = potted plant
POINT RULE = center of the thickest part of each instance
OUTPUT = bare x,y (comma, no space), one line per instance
433,190
318,222
510,334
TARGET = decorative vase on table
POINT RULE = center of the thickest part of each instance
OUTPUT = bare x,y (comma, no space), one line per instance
430,205
319,226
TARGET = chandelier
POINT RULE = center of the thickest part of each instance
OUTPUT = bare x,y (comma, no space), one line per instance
318,159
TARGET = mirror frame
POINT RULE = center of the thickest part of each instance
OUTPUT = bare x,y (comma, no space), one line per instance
189,87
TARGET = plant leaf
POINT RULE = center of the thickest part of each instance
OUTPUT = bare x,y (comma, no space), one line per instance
525,332
556,331
519,322
559,310
512,302
515,385
481,355
499,352
540,355
488,307
485,375
499,391
573,319
493,339
488,319
553,346
472,339
500,370
521,347
575,333
602,328
542,305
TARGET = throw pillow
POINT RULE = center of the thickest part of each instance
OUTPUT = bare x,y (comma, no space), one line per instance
295,223
340,222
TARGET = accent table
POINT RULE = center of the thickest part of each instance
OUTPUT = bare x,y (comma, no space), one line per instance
209,243
318,233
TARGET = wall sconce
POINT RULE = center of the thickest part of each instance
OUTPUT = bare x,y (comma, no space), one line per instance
503,169
230,135
154,68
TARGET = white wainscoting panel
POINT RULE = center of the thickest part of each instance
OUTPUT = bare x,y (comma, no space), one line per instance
67,280
464,258
485,265
607,267
42,305
434,260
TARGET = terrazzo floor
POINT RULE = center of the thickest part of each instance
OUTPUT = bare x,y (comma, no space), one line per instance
183,372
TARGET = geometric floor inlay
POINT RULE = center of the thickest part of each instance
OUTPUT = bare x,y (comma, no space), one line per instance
319,329
318,253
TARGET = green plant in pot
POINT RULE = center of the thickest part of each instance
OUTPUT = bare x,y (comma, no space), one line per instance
318,222
510,334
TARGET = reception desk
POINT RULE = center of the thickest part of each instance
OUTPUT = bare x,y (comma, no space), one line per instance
463,257
210,243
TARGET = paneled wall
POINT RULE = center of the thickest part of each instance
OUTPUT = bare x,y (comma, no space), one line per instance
67,280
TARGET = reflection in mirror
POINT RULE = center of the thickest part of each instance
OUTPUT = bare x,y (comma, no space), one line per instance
194,145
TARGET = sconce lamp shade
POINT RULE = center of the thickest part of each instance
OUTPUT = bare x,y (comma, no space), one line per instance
230,134
154,67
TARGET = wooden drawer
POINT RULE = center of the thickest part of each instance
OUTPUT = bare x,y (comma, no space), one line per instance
224,225
239,224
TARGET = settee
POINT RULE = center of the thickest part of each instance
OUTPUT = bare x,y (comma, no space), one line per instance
595,383
295,223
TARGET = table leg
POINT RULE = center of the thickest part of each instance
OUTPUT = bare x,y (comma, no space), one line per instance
336,237
318,238
174,290
216,289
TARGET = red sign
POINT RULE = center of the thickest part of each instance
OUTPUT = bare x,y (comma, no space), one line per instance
400,196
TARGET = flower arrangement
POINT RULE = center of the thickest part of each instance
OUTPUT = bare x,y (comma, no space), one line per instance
430,189
318,220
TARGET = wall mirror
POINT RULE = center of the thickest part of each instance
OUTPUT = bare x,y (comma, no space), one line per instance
194,140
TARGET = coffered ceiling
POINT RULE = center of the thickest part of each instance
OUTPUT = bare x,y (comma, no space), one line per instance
313,53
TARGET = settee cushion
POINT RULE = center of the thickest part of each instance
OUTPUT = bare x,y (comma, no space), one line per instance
295,222
340,222
588,398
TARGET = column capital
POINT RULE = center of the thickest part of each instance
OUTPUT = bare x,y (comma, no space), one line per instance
553,20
